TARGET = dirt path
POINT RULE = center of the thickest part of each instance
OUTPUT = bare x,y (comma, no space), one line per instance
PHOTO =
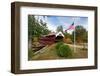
77,46
47,52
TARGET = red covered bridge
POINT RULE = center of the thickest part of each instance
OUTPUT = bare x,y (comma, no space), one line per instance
51,38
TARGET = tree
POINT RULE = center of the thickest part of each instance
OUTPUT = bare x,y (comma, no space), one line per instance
31,20
81,34
44,28
67,35
67,38
59,28
36,28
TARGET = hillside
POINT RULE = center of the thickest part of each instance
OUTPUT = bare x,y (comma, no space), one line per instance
49,52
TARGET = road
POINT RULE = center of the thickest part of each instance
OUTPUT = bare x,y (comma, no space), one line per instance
78,46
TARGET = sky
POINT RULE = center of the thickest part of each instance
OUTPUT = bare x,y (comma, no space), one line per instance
54,21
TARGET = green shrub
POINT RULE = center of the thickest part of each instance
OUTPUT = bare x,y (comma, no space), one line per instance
58,45
64,51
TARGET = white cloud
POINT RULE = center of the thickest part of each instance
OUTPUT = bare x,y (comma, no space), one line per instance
70,31
51,27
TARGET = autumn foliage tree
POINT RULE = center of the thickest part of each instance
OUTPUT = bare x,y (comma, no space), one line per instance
81,34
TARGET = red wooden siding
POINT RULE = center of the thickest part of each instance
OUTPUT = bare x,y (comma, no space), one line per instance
47,40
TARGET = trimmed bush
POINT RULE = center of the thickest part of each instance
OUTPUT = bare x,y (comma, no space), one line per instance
64,51
58,45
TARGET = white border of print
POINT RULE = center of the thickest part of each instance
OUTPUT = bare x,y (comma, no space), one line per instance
25,64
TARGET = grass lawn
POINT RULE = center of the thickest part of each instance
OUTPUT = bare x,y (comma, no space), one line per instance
80,53
49,53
